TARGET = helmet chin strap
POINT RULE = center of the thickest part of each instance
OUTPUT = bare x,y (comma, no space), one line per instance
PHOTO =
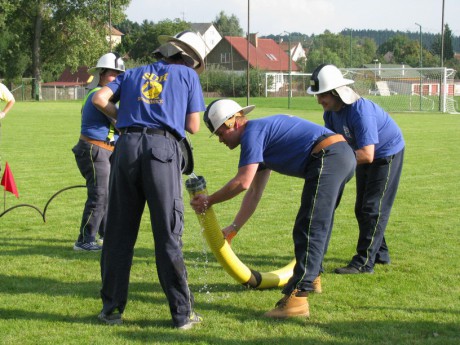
231,122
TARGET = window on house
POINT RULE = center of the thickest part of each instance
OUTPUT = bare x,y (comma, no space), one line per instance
224,57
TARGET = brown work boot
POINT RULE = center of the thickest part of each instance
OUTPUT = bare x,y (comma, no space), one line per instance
317,285
290,306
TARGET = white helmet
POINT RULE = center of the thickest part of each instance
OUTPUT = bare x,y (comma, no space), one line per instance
111,61
220,110
189,43
327,78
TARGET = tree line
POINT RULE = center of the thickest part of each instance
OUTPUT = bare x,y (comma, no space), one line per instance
41,38
355,48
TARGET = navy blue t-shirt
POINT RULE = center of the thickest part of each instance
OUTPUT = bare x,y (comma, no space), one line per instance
282,143
364,123
159,95
94,123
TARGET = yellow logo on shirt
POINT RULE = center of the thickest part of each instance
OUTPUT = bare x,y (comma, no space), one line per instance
152,88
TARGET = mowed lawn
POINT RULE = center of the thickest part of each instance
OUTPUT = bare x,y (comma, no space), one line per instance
49,294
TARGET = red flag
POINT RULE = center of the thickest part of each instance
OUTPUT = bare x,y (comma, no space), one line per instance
8,181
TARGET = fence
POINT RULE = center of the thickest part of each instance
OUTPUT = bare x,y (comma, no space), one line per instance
406,88
54,92
22,91
394,89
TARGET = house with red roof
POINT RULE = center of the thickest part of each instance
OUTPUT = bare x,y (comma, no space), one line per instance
70,85
231,53
80,77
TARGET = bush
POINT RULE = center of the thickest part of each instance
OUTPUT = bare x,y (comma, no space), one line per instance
227,83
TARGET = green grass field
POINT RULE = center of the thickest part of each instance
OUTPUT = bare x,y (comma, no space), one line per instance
50,294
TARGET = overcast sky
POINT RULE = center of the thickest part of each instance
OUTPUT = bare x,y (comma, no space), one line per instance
308,16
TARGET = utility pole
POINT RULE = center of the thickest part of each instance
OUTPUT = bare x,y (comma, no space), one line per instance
420,63
442,36
247,57
350,49
110,24
290,71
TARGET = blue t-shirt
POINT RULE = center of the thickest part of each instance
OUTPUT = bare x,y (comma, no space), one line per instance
364,123
95,124
159,95
282,143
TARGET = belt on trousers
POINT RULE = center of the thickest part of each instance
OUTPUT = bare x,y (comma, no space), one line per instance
327,142
103,144
146,130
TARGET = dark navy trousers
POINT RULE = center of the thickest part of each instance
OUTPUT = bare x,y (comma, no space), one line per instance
326,175
94,165
376,187
146,168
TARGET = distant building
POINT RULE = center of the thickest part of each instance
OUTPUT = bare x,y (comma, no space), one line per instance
231,54
70,85
209,34
297,50
115,36
68,78
264,54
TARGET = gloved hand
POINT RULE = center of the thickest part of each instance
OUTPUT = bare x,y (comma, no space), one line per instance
2,115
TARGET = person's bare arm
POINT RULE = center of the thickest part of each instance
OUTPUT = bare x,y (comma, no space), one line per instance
192,122
241,182
249,204
7,108
365,154
101,101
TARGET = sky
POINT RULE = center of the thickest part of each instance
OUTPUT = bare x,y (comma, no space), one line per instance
307,16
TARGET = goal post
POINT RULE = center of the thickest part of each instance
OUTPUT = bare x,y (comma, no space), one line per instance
406,89
403,89
277,84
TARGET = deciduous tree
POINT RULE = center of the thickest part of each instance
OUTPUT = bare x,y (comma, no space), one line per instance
57,33
228,25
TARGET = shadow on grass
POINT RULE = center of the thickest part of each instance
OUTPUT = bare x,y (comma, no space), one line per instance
301,331
138,291
306,332
29,246
160,329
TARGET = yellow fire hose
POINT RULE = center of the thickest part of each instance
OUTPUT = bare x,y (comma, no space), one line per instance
224,253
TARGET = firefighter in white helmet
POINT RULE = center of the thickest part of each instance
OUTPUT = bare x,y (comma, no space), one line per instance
379,146
159,102
93,152
290,146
